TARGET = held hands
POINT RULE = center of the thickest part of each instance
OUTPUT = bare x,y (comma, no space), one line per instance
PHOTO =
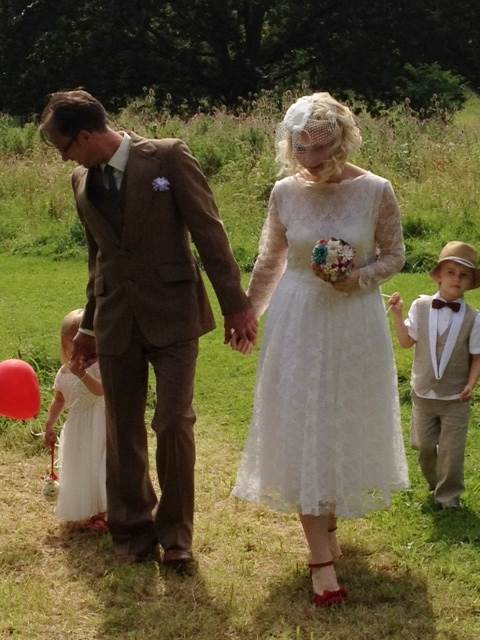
348,284
241,330
84,351
242,345
77,367
242,324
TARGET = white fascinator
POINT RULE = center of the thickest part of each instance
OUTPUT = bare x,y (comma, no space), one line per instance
302,129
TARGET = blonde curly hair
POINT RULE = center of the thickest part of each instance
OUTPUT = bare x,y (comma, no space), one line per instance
347,139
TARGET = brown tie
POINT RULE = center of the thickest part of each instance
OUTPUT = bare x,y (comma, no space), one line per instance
106,198
111,182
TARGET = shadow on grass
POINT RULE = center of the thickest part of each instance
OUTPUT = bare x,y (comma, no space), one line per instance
143,600
454,526
391,602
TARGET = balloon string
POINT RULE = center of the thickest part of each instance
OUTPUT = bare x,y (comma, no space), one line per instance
53,475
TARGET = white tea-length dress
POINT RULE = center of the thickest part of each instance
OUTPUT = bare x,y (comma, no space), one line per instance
82,449
325,431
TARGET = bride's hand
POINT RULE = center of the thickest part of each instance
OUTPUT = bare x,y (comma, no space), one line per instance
348,284
242,345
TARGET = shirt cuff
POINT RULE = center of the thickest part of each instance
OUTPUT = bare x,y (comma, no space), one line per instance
87,332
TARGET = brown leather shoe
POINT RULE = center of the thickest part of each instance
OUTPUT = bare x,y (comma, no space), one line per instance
180,560
148,555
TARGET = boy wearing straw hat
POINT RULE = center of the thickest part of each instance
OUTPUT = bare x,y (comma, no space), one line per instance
446,366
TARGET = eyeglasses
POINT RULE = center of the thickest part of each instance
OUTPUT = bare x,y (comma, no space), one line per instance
63,150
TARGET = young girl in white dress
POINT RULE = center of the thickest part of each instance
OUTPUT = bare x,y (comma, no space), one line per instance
82,449
325,437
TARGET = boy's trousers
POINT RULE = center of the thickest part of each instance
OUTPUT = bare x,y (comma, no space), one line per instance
443,423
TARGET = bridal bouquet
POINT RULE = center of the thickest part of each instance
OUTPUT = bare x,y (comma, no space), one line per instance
332,259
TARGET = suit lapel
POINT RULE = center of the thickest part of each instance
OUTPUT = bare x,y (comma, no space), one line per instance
95,220
142,168
453,332
140,172
432,338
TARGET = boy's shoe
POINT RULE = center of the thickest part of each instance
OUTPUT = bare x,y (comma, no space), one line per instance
454,503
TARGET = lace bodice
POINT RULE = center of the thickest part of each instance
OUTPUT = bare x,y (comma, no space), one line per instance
362,211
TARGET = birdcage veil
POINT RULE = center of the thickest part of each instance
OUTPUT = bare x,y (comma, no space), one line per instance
303,129
316,120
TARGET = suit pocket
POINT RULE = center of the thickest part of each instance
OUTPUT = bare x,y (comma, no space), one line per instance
177,272
99,286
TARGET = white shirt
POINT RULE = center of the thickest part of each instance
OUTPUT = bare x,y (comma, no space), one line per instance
119,159
444,319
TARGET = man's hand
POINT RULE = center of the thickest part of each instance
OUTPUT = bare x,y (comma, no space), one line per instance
84,351
243,323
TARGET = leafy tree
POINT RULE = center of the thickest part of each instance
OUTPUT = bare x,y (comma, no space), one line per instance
211,52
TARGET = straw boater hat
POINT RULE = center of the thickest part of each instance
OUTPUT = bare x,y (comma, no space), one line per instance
462,253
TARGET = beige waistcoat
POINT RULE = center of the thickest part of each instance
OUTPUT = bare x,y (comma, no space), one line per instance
455,375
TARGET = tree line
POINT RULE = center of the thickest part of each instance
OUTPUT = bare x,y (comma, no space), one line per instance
200,53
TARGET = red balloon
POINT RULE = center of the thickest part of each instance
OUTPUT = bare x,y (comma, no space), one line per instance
19,391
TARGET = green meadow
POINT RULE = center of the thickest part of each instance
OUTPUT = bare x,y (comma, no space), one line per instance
412,572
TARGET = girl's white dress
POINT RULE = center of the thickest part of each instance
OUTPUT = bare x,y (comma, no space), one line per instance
82,449
325,431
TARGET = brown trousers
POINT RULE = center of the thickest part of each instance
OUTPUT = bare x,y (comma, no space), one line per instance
443,423
136,519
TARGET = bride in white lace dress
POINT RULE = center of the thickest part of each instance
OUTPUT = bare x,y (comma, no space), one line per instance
325,437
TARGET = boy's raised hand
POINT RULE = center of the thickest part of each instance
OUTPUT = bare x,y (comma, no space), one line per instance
395,303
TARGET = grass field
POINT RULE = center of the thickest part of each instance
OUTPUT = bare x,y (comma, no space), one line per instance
413,572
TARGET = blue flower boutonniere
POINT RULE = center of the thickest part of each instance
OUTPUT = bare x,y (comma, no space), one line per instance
161,184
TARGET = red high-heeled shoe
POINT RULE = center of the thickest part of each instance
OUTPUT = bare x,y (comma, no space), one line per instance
98,524
328,598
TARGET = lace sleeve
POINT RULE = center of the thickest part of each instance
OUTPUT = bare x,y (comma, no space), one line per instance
271,261
389,240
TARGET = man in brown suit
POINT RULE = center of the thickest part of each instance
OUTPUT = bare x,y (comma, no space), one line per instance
140,201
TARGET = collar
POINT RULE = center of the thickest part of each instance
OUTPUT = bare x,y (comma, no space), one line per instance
120,158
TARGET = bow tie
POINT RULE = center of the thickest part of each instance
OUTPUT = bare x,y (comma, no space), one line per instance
439,304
